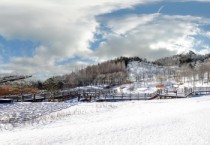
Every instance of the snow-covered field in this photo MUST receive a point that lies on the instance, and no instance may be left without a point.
(156, 122)
(19, 114)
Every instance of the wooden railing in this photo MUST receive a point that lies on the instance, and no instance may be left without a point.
(103, 95)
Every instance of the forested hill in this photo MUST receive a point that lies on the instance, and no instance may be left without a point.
(108, 72)
(189, 59)
(116, 71)
(126, 60)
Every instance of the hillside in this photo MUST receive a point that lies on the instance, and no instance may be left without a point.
(189, 59)
(108, 72)
(145, 71)
(125, 69)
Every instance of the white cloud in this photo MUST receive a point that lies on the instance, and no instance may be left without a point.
(160, 9)
(123, 25)
(204, 50)
(65, 28)
(154, 37)
(208, 34)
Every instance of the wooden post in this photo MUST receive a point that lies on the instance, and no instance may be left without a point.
(22, 98)
(34, 97)
(44, 96)
(101, 93)
(90, 97)
(78, 97)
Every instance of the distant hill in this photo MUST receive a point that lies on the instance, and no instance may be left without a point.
(189, 59)
(116, 71)
(108, 72)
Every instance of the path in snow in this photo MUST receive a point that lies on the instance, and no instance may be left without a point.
(156, 122)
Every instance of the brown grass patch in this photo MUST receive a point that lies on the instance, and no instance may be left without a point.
(160, 86)
(16, 90)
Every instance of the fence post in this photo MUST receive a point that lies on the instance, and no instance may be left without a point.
(45, 96)
(34, 97)
(22, 98)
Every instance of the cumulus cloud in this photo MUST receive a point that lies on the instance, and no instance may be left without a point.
(66, 28)
(208, 34)
(151, 36)
(63, 28)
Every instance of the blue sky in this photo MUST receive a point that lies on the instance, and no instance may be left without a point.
(169, 8)
(16, 48)
(46, 38)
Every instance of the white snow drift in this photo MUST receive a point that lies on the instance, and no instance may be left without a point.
(156, 122)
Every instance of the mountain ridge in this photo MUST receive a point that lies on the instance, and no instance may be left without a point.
(190, 59)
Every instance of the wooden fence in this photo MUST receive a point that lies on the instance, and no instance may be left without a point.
(105, 95)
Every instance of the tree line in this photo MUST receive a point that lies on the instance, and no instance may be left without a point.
(109, 72)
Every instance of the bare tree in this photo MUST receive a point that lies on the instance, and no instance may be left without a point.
(51, 86)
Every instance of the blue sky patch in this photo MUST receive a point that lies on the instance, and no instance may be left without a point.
(169, 8)
(73, 60)
(16, 48)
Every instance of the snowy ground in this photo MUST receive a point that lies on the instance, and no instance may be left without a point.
(18, 114)
(156, 122)
(132, 89)
(169, 88)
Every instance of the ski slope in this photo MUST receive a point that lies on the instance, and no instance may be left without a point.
(155, 122)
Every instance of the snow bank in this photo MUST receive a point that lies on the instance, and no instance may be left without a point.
(159, 122)
(100, 87)
(18, 114)
(131, 89)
